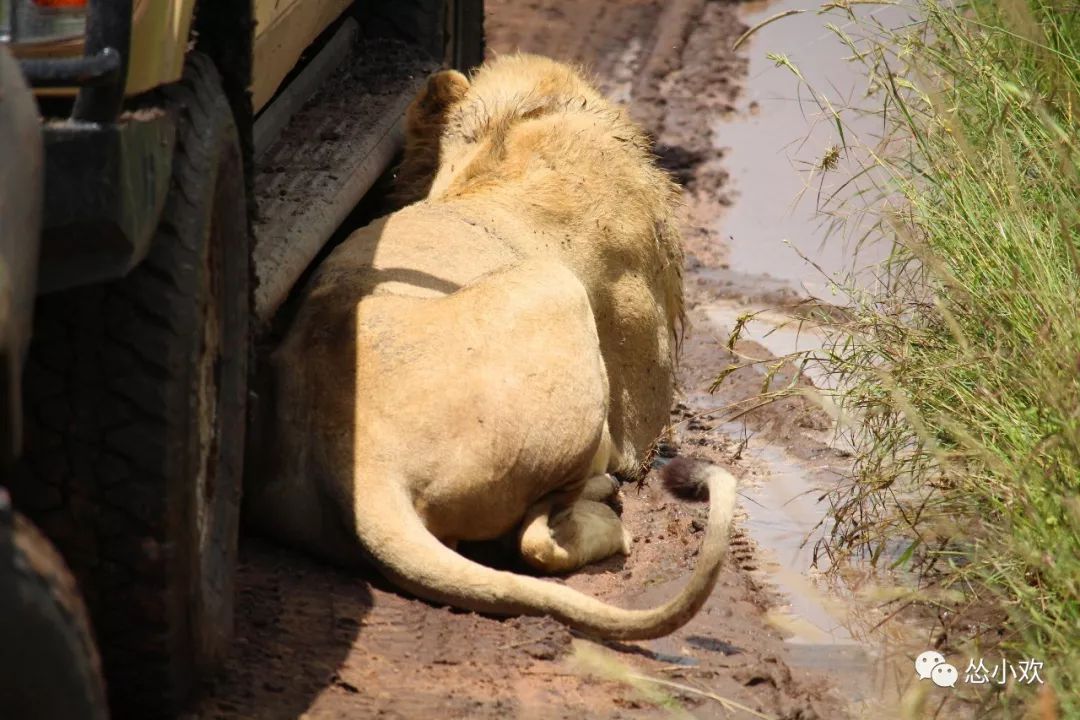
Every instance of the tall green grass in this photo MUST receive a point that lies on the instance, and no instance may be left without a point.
(961, 372)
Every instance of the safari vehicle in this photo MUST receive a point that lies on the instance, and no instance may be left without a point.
(190, 159)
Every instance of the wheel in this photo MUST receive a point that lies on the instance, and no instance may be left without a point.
(135, 399)
(49, 666)
(452, 30)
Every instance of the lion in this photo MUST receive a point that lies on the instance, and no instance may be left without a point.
(485, 362)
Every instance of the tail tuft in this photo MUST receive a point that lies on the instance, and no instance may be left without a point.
(686, 479)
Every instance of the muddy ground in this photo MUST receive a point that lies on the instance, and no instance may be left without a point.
(316, 642)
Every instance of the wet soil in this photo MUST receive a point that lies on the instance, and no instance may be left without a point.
(316, 642)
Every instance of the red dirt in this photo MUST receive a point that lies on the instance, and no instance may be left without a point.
(315, 642)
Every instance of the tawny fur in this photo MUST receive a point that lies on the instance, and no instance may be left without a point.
(472, 365)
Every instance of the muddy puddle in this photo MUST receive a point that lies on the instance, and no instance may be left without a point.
(832, 623)
(830, 626)
(786, 157)
(780, 244)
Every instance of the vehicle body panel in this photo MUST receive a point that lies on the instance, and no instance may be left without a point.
(160, 30)
(20, 218)
(161, 36)
(282, 31)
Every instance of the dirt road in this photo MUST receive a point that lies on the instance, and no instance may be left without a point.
(319, 643)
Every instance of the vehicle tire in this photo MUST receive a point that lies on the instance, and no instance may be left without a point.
(135, 397)
(49, 666)
(451, 30)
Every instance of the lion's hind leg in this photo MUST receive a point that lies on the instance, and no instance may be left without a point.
(601, 488)
(558, 539)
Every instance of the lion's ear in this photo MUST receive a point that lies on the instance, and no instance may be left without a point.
(429, 109)
(425, 121)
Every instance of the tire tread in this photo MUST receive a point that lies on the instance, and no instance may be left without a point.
(105, 381)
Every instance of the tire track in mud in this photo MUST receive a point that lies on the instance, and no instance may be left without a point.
(315, 642)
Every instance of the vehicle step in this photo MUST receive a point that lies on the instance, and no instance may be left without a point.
(329, 154)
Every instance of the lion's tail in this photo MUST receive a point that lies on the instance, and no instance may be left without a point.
(414, 559)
